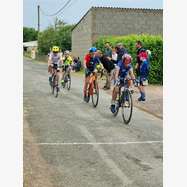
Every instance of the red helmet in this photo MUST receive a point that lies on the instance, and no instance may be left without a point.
(127, 59)
(143, 55)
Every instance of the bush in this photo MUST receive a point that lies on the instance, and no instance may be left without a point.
(50, 37)
(153, 43)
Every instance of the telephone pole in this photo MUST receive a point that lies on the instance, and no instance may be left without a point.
(38, 18)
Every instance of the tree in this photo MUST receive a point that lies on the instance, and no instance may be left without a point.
(29, 34)
(60, 37)
(58, 23)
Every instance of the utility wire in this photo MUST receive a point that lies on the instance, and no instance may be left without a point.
(65, 5)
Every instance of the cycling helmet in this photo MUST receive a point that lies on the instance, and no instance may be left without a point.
(127, 57)
(66, 52)
(92, 49)
(55, 49)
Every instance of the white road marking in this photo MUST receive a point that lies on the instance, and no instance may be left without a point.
(104, 156)
(101, 143)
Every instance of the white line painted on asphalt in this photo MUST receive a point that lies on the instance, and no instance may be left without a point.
(104, 156)
(101, 143)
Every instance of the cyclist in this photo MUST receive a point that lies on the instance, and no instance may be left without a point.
(67, 62)
(54, 61)
(90, 62)
(124, 70)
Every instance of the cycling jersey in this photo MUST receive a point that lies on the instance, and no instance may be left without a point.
(55, 58)
(90, 62)
(123, 70)
(68, 60)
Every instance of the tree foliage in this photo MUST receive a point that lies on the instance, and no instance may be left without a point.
(29, 34)
(61, 36)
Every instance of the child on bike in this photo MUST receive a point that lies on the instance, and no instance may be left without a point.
(54, 61)
(90, 65)
(67, 62)
(124, 71)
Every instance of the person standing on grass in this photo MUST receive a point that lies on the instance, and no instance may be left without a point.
(120, 50)
(108, 55)
(114, 56)
(142, 69)
(107, 64)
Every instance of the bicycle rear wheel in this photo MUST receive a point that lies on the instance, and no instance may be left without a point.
(95, 95)
(126, 106)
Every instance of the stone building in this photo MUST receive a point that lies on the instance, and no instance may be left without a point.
(105, 21)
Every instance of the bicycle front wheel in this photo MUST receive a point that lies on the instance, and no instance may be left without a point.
(95, 95)
(53, 85)
(68, 83)
(126, 106)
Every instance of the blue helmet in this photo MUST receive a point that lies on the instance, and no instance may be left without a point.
(92, 49)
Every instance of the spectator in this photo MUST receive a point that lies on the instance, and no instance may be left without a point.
(76, 64)
(142, 69)
(108, 55)
(108, 65)
(114, 56)
(120, 50)
(108, 50)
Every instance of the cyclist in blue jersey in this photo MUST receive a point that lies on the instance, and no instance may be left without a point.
(124, 71)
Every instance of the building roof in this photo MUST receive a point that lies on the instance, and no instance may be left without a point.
(117, 8)
(30, 44)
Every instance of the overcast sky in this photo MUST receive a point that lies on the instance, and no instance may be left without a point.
(75, 10)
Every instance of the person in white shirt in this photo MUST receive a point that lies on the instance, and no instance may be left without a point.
(114, 56)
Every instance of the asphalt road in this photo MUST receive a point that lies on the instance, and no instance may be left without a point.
(68, 143)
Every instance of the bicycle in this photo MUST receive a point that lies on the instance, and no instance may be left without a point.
(93, 90)
(67, 77)
(125, 102)
(54, 81)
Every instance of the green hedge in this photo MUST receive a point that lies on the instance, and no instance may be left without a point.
(153, 43)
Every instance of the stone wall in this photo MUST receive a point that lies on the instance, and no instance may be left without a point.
(118, 21)
(81, 36)
(101, 21)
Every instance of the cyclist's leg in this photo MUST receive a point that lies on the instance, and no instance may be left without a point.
(114, 93)
(62, 75)
(114, 96)
(50, 71)
(86, 83)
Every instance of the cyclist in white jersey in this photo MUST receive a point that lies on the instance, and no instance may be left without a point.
(54, 62)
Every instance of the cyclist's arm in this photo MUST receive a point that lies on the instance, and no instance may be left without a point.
(49, 61)
(85, 62)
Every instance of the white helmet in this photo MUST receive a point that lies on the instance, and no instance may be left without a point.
(126, 56)
(66, 52)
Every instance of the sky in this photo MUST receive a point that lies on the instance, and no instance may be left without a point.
(75, 10)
